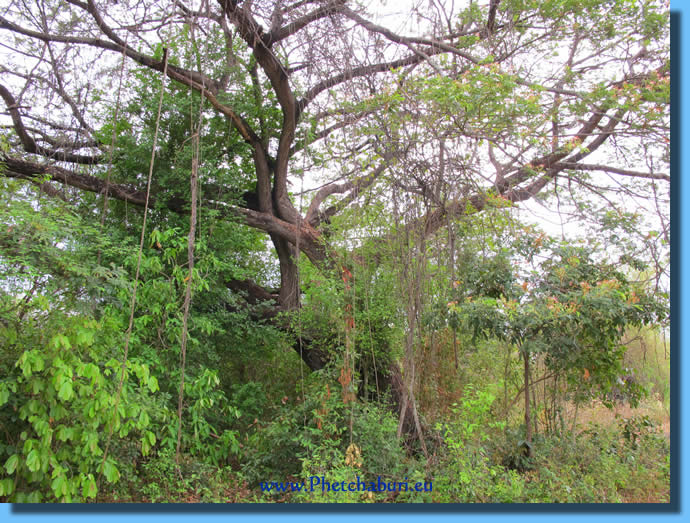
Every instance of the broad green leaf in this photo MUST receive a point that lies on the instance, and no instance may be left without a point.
(5, 394)
(152, 384)
(89, 489)
(65, 433)
(60, 340)
(85, 337)
(33, 461)
(11, 463)
(110, 471)
(66, 392)
(6, 487)
(59, 486)
(144, 420)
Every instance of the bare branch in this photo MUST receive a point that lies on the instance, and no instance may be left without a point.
(611, 169)
(30, 145)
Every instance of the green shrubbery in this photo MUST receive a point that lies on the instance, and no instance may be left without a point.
(479, 460)
(61, 408)
(311, 438)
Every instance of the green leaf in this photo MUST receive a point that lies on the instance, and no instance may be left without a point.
(11, 463)
(37, 386)
(89, 489)
(6, 487)
(65, 433)
(85, 337)
(152, 384)
(66, 392)
(33, 461)
(5, 394)
(92, 444)
(24, 363)
(60, 340)
(59, 486)
(144, 420)
(110, 471)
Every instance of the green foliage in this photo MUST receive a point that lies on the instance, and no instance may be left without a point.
(597, 466)
(250, 400)
(376, 318)
(649, 356)
(206, 421)
(162, 480)
(58, 407)
(311, 438)
(572, 309)
(60, 376)
(484, 463)
(62, 324)
(466, 474)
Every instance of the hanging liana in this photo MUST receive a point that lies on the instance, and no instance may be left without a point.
(132, 304)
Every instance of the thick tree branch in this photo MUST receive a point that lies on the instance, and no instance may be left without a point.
(37, 173)
(540, 171)
(309, 238)
(259, 41)
(254, 294)
(328, 8)
(315, 216)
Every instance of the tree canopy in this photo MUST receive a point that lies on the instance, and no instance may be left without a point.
(509, 99)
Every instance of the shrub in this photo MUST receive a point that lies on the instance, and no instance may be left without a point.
(312, 438)
(59, 405)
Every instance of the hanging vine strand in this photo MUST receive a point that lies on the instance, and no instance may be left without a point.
(132, 305)
(194, 183)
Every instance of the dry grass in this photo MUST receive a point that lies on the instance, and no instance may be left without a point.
(598, 413)
(652, 486)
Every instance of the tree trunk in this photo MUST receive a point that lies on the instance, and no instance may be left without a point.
(528, 420)
(289, 295)
(393, 381)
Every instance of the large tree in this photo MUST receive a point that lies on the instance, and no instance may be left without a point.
(458, 105)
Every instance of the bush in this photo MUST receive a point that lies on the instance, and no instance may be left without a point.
(322, 436)
(59, 406)
(162, 480)
(466, 473)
